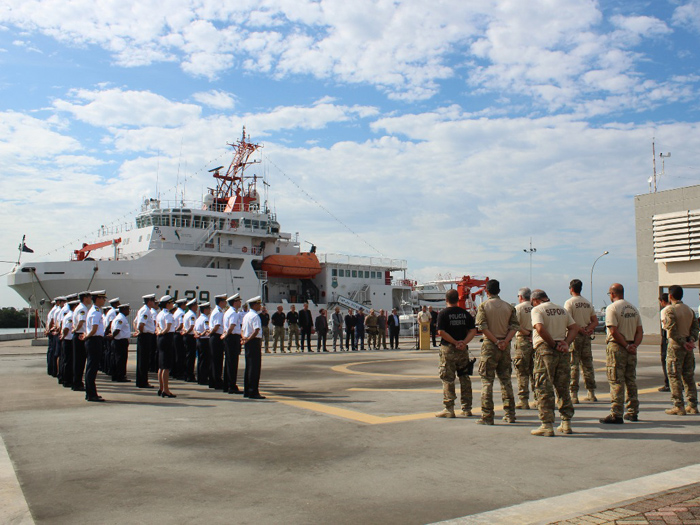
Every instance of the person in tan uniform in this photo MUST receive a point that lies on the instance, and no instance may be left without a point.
(554, 330)
(624, 334)
(498, 322)
(682, 328)
(372, 323)
(524, 354)
(583, 313)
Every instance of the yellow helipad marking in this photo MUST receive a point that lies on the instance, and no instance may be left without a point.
(369, 419)
(345, 369)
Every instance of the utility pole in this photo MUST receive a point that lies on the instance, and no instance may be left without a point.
(530, 252)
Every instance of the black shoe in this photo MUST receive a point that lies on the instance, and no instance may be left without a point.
(78, 389)
(235, 390)
(612, 419)
(123, 380)
(96, 399)
(160, 393)
(631, 417)
(168, 394)
(256, 396)
(664, 388)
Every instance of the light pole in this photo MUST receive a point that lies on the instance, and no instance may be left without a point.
(530, 251)
(603, 255)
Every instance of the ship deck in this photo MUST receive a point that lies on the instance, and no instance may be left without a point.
(343, 438)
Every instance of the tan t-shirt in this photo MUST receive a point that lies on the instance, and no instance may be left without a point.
(497, 316)
(522, 312)
(580, 309)
(625, 317)
(678, 320)
(423, 317)
(555, 319)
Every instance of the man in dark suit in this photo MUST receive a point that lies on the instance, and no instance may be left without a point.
(350, 322)
(306, 323)
(394, 329)
(321, 325)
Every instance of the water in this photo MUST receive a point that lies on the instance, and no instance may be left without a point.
(19, 331)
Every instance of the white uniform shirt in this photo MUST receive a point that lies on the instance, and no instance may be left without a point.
(188, 320)
(164, 318)
(120, 323)
(251, 321)
(202, 325)
(231, 318)
(662, 314)
(67, 322)
(177, 319)
(109, 317)
(94, 318)
(145, 316)
(217, 318)
(51, 316)
(79, 314)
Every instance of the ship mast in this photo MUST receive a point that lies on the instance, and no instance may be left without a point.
(229, 187)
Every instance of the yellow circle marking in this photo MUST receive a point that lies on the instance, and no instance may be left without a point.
(345, 369)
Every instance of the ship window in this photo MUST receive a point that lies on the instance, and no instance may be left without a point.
(277, 249)
(366, 274)
(205, 222)
(341, 273)
(165, 220)
(176, 222)
(334, 272)
(230, 242)
(246, 223)
(373, 275)
(185, 222)
(196, 221)
(256, 224)
(354, 273)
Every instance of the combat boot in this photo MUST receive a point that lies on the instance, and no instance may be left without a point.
(546, 430)
(565, 427)
(574, 398)
(508, 418)
(631, 417)
(467, 413)
(591, 396)
(483, 421)
(675, 411)
(691, 409)
(612, 419)
(446, 412)
(523, 405)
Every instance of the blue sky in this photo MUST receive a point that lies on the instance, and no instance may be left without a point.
(446, 133)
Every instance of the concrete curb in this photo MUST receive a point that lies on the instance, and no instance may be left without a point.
(13, 506)
(583, 502)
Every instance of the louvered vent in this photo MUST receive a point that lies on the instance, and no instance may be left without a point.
(677, 236)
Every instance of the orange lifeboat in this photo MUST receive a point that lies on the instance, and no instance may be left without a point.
(300, 266)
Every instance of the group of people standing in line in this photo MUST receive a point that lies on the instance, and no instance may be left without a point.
(353, 326)
(84, 339)
(552, 346)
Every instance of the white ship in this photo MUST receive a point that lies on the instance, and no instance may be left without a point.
(231, 242)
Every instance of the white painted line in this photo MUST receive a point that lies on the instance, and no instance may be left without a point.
(13, 507)
(583, 502)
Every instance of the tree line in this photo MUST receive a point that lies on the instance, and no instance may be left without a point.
(12, 318)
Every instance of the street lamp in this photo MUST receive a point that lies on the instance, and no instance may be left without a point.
(603, 255)
(530, 251)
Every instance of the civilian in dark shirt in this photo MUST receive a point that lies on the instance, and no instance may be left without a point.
(278, 319)
(456, 328)
(350, 323)
(293, 324)
(433, 324)
(306, 323)
(360, 329)
(265, 322)
(321, 330)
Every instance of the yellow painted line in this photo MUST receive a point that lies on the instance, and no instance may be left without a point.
(346, 369)
(429, 390)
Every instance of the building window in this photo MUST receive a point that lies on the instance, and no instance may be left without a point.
(354, 273)
(373, 275)
(334, 273)
(366, 274)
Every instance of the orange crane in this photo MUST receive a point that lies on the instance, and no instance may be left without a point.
(82, 253)
(466, 296)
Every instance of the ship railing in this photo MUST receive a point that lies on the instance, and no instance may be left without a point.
(359, 260)
(207, 247)
(404, 282)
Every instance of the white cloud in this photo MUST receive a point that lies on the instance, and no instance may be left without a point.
(215, 99)
(688, 15)
(116, 107)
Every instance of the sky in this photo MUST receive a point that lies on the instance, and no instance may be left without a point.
(446, 133)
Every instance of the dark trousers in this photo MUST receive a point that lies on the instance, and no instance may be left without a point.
(153, 355)
(51, 368)
(106, 359)
(305, 336)
(321, 340)
(144, 347)
(393, 337)
(216, 356)
(233, 352)
(203, 365)
(94, 348)
(350, 340)
(178, 369)
(120, 352)
(253, 363)
(190, 356)
(433, 333)
(664, 351)
(360, 339)
(66, 362)
(78, 361)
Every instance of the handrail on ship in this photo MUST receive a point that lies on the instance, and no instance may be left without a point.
(361, 260)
